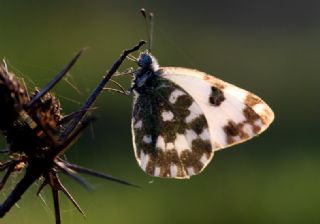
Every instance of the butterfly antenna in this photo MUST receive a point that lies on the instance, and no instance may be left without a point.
(151, 19)
(148, 18)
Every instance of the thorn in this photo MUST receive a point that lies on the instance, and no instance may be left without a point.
(44, 183)
(55, 80)
(98, 174)
(71, 173)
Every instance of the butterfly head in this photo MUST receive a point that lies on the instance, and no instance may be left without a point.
(148, 62)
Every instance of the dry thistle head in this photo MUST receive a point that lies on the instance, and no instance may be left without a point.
(38, 134)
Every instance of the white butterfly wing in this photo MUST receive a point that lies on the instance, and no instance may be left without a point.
(170, 132)
(234, 115)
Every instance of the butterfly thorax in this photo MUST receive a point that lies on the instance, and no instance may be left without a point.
(147, 71)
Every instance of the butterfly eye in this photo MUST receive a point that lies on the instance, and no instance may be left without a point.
(144, 60)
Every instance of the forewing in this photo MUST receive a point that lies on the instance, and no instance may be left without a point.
(170, 132)
(234, 115)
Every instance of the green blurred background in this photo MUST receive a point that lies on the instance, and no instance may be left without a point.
(269, 47)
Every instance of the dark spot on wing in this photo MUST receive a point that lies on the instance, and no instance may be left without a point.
(189, 159)
(163, 160)
(252, 100)
(232, 129)
(198, 124)
(216, 97)
(250, 115)
(200, 147)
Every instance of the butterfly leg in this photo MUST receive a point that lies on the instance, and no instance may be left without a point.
(120, 90)
(117, 91)
(128, 71)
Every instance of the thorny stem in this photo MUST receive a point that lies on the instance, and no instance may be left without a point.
(62, 188)
(60, 149)
(92, 98)
(10, 166)
(41, 168)
(6, 176)
(31, 175)
(55, 195)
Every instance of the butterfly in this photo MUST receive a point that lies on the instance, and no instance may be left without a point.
(182, 116)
